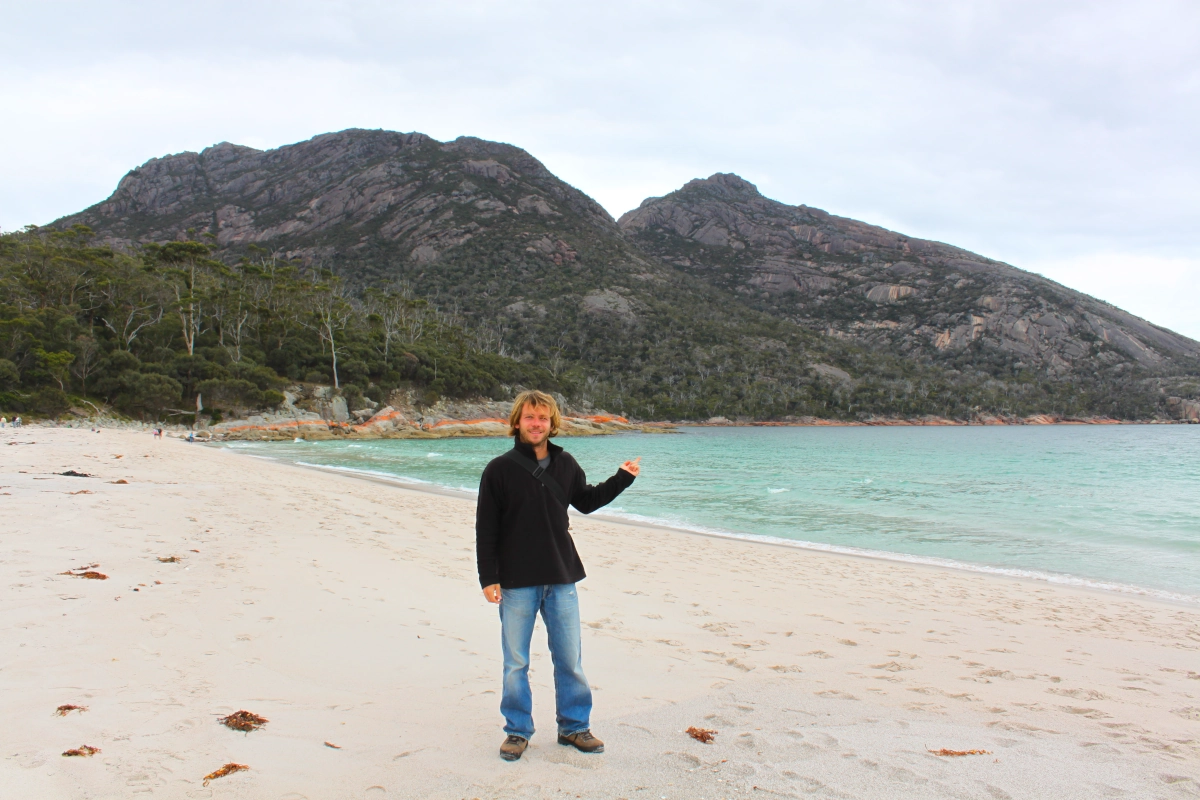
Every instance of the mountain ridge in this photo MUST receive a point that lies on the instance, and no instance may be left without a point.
(775, 255)
(643, 311)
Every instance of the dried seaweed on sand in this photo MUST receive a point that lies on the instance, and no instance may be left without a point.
(63, 710)
(169, 559)
(701, 734)
(228, 769)
(243, 721)
(83, 750)
(946, 752)
(119, 481)
(73, 474)
(334, 746)
(86, 572)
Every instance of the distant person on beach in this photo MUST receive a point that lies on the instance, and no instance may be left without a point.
(528, 564)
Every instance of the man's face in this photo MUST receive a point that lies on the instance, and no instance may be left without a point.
(534, 425)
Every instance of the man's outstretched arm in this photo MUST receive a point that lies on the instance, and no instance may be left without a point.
(589, 498)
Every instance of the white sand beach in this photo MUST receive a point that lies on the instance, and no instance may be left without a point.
(347, 612)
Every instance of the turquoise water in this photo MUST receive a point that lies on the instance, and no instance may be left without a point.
(1114, 507)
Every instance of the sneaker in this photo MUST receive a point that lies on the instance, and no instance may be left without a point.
(513, 747)
(583, 741)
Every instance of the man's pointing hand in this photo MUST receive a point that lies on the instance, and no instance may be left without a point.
(633, 467)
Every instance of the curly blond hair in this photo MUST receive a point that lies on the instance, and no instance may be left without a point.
(536, 399)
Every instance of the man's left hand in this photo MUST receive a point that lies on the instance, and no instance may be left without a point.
(633, 467)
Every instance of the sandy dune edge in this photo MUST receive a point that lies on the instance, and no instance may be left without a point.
(348, 612)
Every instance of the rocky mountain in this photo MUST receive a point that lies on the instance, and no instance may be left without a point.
(925, 299)
(710, 300)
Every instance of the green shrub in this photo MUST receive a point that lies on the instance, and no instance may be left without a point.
(12, 401)
(234, 393)
(262, 377)
(354, 397)
(353, 370)
(49, 401)
(10, 376)
(144, 395)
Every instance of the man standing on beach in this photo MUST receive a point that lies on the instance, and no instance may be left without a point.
(528, 564)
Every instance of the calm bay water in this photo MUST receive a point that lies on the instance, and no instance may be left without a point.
(1116, 507)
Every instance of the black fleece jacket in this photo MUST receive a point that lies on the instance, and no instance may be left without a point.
(521, 531)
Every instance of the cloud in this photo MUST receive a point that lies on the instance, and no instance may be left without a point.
(1162, 290)
(1035, 133)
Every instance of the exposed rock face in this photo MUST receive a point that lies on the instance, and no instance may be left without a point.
(608, 302)
(356, 185)
(1181, 408)
(922, 297)
(294, 420)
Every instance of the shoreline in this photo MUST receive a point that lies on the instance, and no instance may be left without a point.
(1038, 577)
(393, 425)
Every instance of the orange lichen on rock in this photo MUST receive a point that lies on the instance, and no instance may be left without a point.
(466, 422)
(228, 769)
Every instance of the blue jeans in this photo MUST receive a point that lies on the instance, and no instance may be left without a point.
(559, 606)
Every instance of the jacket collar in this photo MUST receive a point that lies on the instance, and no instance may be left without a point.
(527, 449)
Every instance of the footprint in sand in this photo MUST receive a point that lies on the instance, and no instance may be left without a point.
(1078, 694)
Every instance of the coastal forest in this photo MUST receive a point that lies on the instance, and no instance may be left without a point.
(376, 261)
(148, 332)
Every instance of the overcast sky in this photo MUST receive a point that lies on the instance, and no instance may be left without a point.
(1059, 137)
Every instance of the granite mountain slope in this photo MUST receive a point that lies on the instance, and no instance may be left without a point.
(711, 300)
(926, 299)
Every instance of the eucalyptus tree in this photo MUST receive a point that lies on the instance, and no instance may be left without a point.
(191, 274)
(330, 312)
